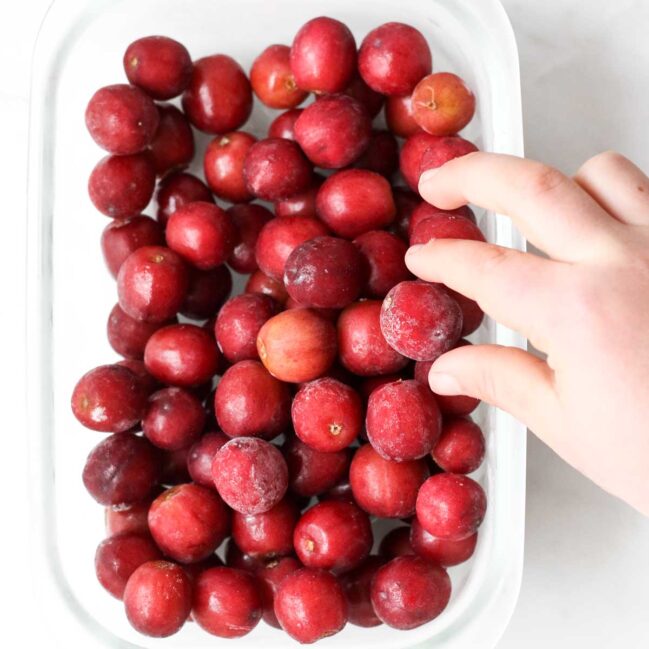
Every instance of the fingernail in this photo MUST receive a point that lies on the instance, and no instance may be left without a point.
(444, 383)
(414, 250)
(427, 176)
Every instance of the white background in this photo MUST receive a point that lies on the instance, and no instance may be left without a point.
(585, 75)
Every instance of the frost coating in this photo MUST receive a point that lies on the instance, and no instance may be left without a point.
(250, 475)
(403, 421)
(325, 272)
(420, 320)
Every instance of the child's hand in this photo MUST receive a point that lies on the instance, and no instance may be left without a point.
(587, 307)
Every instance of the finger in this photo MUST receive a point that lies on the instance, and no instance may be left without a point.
(513, 287)
(551, 210)
(506, 377)
(620, 187)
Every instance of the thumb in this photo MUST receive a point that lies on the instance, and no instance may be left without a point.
(509, 378)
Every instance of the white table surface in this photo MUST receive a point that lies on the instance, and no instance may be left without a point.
(585, 76)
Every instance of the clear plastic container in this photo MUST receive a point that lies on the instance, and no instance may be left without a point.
(70, 292)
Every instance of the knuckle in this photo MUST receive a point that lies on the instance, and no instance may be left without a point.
(543, 179)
